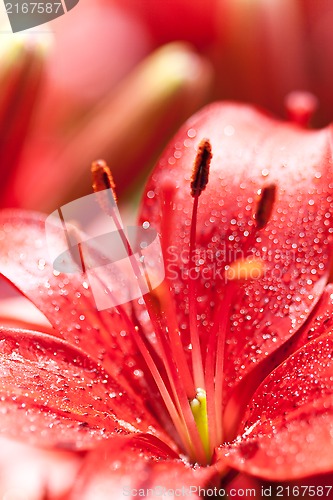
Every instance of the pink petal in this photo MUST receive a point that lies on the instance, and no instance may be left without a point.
(319, 322)
(53, 394)
(250, 151)
(288, 429)
(127, 465)
(33, 474)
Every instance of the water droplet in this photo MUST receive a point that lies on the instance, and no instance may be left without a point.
(229, 130)
(191, 133)
(41, 264)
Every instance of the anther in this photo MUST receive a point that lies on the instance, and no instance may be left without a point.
(102, 177)
(265, 205)
(104, 186)
(201, 166)
(198, 184)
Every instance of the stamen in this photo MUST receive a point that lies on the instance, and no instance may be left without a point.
(201, 166)
(265, 205)
(248, 268)
(214, 365)
(166, 306)
(74, 243)
(102, 179)
(176, 401)
(198, 184)
(102, 184)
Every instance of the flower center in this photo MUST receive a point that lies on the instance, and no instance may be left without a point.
(192, 391)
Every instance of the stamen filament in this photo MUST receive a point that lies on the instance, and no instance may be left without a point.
(222, 324)
(214, 364)
(177, 418)
(198, 184)
(169, 315)
(210, 393)
(197, 363)
(167, 301)
(183, 418)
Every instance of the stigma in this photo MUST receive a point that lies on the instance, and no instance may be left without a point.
(199, 411)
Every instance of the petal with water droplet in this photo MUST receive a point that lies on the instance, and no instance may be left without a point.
(53, 394)
(319, 321)
(288, 429)
(250, 151)
(65, 299)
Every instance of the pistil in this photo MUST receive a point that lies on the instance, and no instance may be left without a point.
(199, 410)
(198, 184)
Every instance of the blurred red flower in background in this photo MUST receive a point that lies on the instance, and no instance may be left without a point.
(74, 92)
(261, 50)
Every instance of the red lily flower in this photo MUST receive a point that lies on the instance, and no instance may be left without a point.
(228, 363)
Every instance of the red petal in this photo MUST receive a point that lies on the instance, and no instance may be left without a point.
(250, 151)
(319, 321)
(53, 394)
(288, 429)
(65, 300)
(127, 466)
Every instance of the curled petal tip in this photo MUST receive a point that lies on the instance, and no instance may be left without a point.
(301, 106)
